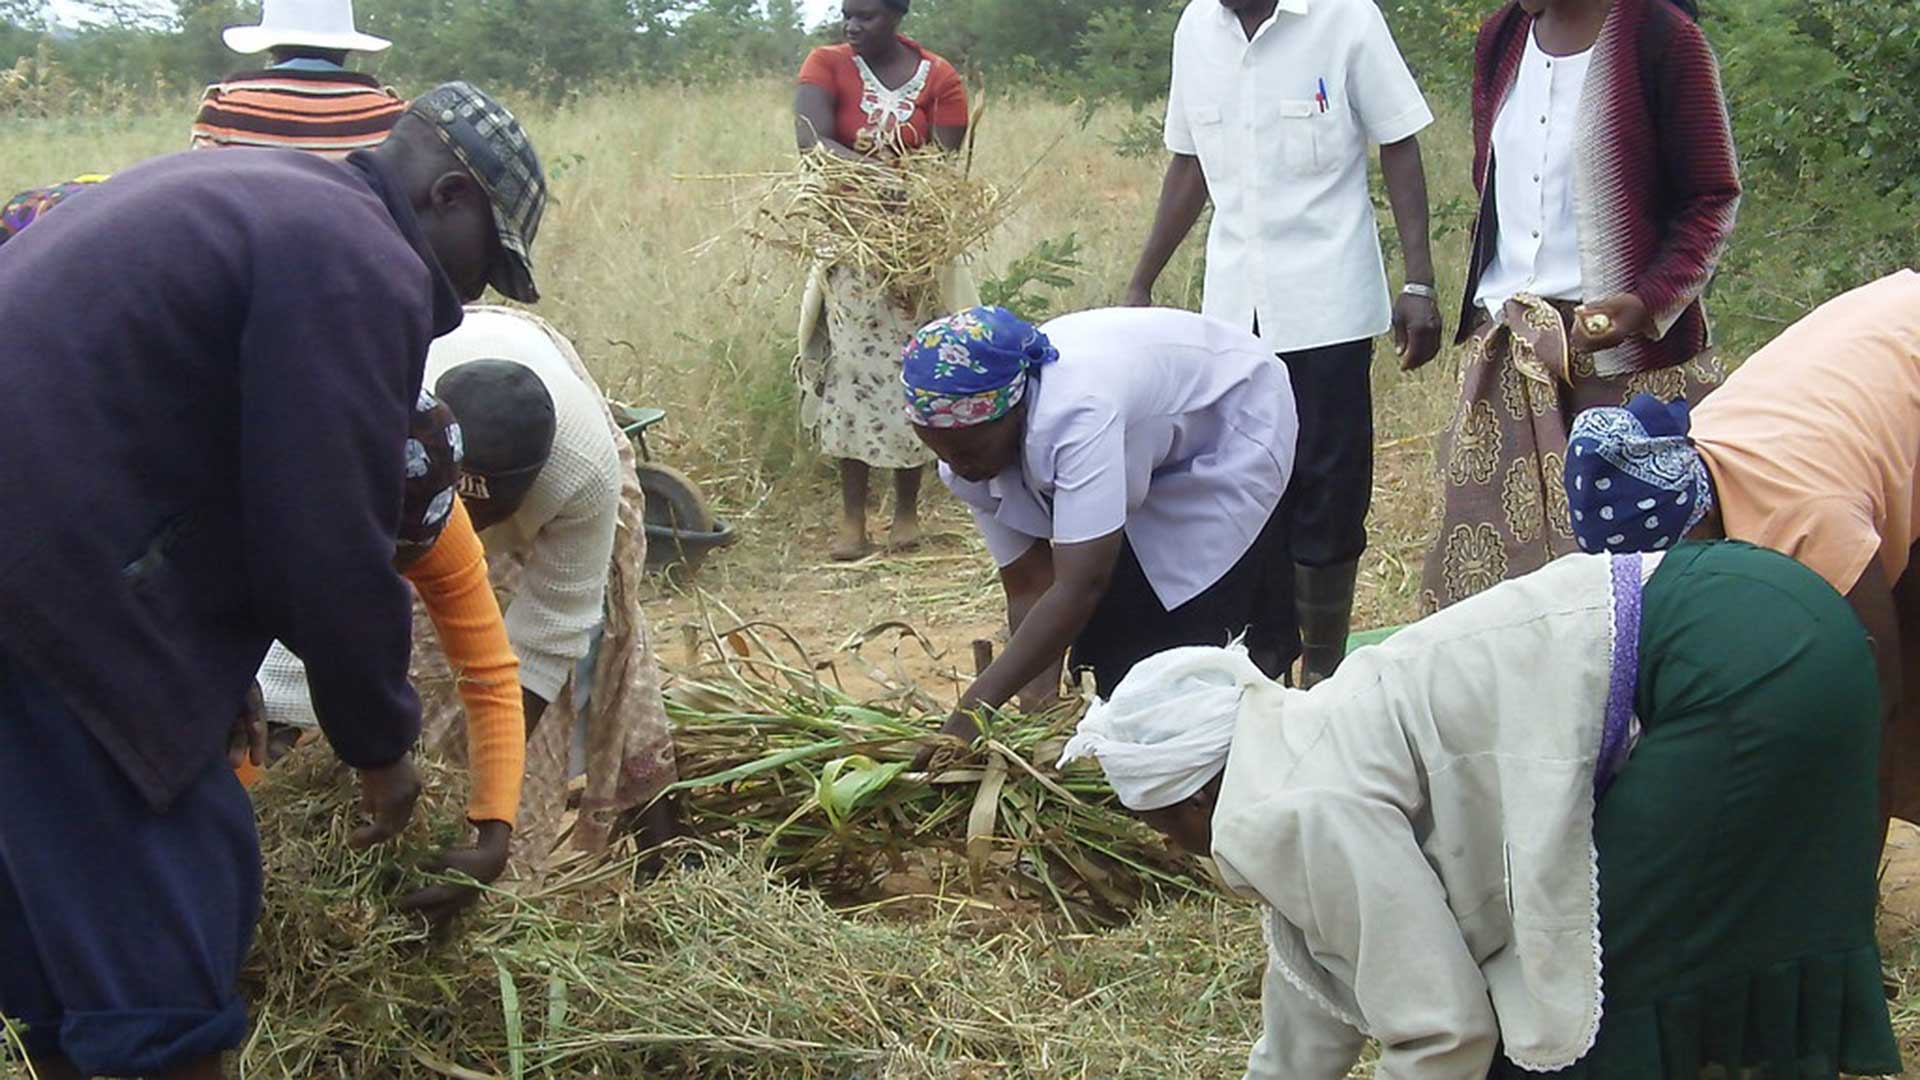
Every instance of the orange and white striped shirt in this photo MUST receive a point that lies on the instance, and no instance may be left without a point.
(332, 113)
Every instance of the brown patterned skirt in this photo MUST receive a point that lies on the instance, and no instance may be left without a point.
(850, 373)
(1502, 463)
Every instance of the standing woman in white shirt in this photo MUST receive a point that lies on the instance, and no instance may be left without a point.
(1126, 468)
(1608, 183)
(1273, 107)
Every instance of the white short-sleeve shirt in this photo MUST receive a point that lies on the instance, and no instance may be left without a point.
(1282, 125)
(1173, 426)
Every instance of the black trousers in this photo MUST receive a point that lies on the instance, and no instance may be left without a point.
(1254, 598)
(1332, 485)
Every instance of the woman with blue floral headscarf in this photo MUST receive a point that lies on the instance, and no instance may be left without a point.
(1124, 467)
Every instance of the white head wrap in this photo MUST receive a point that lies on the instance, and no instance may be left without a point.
(1168, 727)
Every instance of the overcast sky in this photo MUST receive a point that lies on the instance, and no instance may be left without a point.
(816, 10)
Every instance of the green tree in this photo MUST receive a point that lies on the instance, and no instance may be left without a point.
(1125, 54)
(22, 26)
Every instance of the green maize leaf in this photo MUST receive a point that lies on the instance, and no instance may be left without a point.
(755, 768)
(516, 1030)
(847, 783)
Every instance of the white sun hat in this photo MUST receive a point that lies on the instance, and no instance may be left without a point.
(313, 24)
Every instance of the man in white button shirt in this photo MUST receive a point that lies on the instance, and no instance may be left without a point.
(1273, 105)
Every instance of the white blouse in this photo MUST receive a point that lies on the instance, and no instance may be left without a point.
(1538, 247)
(1173, 426)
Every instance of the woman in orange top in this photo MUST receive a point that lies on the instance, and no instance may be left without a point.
(441, 555)
(876, 96)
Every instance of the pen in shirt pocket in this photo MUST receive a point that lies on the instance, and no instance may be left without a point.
(1321, 97)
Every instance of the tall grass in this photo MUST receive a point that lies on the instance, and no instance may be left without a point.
(710, 339)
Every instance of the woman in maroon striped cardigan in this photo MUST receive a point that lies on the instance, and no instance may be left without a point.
(1608, 184)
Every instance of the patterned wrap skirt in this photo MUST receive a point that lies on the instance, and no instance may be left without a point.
(849, 369)
(1503, 462)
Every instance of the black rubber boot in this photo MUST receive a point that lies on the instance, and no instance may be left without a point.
(1324, 597)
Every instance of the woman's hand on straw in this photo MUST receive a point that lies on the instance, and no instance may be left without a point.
(484, 862)
(955, 737)
(387, 796)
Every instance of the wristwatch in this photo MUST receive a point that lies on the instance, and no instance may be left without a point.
(1425, 292)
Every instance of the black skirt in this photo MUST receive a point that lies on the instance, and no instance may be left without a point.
(1254, 598)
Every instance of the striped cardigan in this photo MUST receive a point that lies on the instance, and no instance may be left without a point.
(1656, 182)
(332, 113)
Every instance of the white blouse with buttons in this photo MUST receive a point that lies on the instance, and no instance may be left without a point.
(1538, 251)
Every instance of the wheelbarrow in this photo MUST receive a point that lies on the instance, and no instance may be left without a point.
(681, 528)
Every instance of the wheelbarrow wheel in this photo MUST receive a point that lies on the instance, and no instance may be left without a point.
(674, 502)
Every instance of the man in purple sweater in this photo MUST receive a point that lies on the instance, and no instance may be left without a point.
(209, 361)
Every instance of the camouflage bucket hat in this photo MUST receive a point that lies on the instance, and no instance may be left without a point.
(491, 144)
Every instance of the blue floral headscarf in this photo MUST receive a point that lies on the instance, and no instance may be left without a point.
(1634, 481)
(971, 368)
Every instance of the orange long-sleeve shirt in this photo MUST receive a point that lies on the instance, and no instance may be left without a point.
(453, 585)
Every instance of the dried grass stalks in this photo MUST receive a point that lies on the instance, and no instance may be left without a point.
(714, 971)
(902, 221)
(817, 784)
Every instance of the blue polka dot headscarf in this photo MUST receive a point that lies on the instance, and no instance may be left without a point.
(1634, 480)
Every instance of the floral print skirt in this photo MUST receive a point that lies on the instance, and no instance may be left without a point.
(1502, 465)
(850, 389)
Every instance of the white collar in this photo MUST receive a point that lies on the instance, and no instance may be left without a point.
(1291, 7)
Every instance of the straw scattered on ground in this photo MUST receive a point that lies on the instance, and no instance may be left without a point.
(714, 969)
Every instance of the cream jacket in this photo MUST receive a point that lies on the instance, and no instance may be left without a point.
(1421, 827)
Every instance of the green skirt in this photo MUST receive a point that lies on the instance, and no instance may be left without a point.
(1739, 846)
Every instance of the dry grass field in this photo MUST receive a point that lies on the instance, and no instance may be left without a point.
(709, 339)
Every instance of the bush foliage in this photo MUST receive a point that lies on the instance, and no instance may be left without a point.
(1824, 94)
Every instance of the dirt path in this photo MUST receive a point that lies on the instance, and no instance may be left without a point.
(877, 628)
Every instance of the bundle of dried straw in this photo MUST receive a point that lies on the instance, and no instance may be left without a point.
(902, 218)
